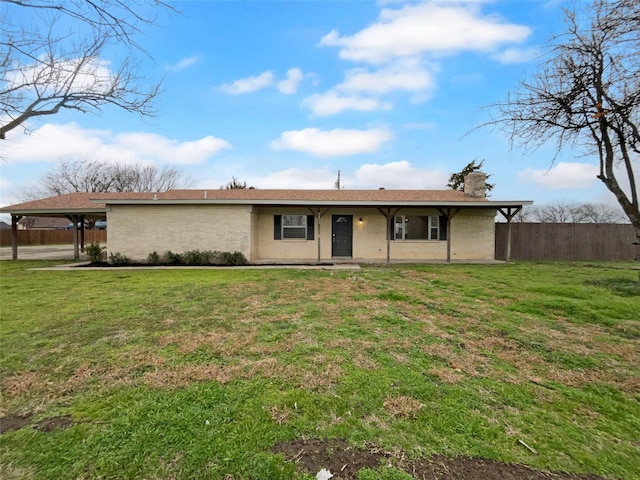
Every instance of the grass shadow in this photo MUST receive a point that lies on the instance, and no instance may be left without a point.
(624, 287)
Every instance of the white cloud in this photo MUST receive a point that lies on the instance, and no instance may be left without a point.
(405, 74)
(332, 143)
(430, 27)
(86, 74)
(168, 150)
(295, 178)
(400, 175)
(289, 86)
(248, 84)
(563, 176)
(184, 63)
(53, 142)
(516, 55)
(393, 175)
(331, 103)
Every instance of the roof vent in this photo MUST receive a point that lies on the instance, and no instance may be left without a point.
(382, 188)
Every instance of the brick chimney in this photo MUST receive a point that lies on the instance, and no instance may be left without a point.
(475, 185)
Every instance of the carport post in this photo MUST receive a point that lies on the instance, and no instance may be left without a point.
(14, 236)
(76, 246)
(82, 233)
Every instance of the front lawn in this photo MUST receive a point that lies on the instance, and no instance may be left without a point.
(180, 374)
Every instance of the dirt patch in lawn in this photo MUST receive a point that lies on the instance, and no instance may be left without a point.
(345, 461)
(54, 423)
(16, 422)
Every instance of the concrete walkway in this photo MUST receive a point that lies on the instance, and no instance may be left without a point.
(41, 252)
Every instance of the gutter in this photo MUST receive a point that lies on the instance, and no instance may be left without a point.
(323, 203)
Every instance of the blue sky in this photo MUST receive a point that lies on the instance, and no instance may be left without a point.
(283, 94)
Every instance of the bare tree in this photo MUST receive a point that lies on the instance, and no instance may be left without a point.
(86, 176)
(144, 178)
(599, 213)
(52, 57)
(586, 96)
(524, 215)
(557, 213)
(571, 212)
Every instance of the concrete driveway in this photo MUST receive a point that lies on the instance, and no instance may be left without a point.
(41, 252)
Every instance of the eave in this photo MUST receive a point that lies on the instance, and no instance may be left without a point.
(324, 203)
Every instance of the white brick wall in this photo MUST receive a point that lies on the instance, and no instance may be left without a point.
(137, 230)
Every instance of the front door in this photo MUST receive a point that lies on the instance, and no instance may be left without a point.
(342, 233)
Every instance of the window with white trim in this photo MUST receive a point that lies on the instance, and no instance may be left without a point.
(417, 227)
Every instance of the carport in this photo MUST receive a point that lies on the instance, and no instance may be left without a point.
(76, 207)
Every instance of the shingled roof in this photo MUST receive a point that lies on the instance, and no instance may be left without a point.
(71, 203)
(86, 203)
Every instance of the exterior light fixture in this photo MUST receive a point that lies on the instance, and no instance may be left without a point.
(360, 219)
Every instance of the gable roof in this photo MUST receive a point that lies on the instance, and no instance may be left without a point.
(96, 203)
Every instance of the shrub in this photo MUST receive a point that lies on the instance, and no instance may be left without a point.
(118, 259)
(235, 258)
(153, 258)
(196, 257)
(95, 252)
(171, 258)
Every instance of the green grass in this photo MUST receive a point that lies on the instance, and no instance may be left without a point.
(198, 373)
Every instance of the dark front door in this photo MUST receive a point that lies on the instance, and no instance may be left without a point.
(342, 233)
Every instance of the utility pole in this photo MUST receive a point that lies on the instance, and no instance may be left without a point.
(337, 184)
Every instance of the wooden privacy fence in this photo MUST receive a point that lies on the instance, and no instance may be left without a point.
(566, 241)
(50, 237)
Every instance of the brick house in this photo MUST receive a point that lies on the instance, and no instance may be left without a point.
(297, 226)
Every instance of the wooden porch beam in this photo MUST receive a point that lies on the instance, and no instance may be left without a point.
(388, 215)
(318, 213)
(509, 214)
(449, 213)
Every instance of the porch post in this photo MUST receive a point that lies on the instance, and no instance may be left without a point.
(14, 236)
(449, 213)
(509, 214)
(319, 218)
(318, 214)
(388, 215)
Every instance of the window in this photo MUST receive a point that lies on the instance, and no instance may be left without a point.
(293, 227)
(419, 227)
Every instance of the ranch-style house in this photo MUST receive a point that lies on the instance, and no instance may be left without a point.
(291, 226)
